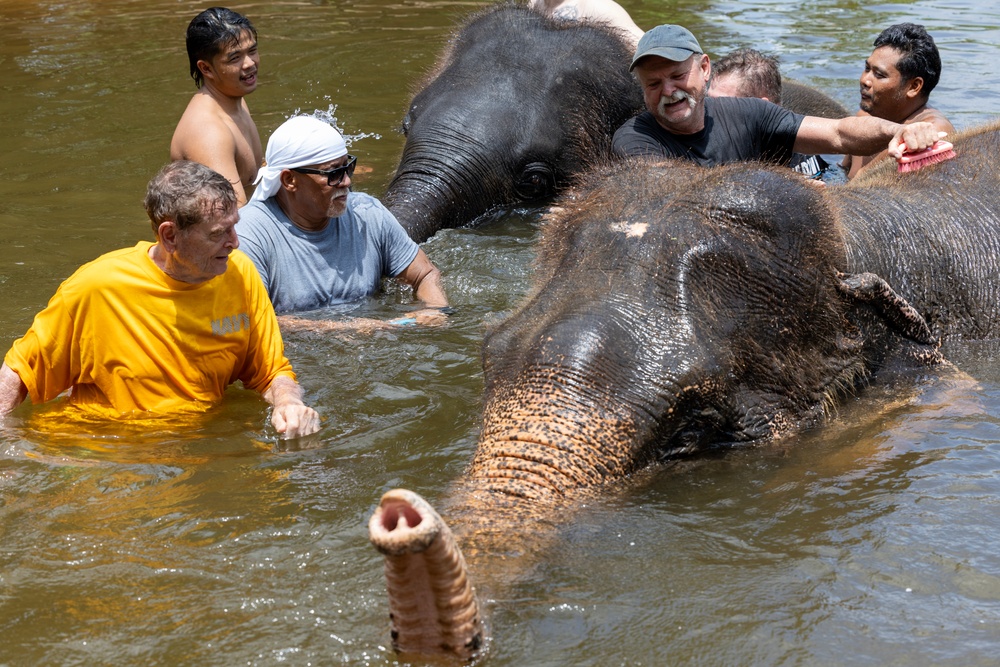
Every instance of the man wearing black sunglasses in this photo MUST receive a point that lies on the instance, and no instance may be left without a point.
(316, 243)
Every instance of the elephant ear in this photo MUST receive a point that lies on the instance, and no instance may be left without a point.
(874, 291)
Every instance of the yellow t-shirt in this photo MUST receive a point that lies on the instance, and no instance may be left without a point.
(126, 336)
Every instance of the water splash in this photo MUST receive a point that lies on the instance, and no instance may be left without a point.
(329, 115)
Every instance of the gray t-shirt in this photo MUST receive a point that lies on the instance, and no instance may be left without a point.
(344, 262)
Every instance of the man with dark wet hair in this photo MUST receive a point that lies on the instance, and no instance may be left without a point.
(216, 128)
(897, 82)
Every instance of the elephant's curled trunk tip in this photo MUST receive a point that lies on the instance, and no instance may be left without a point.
(432, 605)
(404, 523)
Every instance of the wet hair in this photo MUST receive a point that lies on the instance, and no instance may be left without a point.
(212, 31)
(918, 53)
(184, 192)
(758, 74)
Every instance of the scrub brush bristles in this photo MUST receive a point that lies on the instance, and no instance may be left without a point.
(938, 152)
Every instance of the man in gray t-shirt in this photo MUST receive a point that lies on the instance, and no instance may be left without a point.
(305, 269)
(316, 243)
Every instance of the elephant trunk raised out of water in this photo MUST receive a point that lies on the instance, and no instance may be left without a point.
(678, 309)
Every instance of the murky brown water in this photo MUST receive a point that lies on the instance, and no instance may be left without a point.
(876, 541)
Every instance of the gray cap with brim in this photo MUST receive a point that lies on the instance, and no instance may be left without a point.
(672, 42)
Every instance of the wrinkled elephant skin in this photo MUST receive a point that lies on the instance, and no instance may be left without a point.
(679, 308)
(432, 605)
(808, 101)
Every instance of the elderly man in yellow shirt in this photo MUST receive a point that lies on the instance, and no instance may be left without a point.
(162, 327)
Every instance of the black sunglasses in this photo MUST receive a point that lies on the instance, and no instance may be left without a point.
(334, 176)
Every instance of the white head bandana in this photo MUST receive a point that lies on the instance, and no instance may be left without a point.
(299, 141)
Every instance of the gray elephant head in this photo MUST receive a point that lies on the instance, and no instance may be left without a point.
(518, 106)
(678, 309)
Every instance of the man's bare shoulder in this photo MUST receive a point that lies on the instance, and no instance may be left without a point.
(225, 141)
(203, 122)
(931, 115)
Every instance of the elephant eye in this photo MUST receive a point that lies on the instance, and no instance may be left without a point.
(535, 182)
(407, 122)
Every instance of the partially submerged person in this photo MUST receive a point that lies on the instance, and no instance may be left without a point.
(216, 128)
(897, 82)
(682, 121)
(162, 327)
(315, 242)
(747, 72)
(605, 11)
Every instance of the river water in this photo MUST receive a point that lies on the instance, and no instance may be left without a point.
(206, 541)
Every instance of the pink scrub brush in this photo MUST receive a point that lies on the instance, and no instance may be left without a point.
(939, 151)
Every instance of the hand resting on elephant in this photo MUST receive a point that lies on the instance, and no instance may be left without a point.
(423, 317)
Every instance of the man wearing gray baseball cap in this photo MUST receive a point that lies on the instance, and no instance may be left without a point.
(672, 42)
(681, 121)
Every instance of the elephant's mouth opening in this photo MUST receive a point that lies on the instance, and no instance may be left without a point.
(395, 510)
(694, 441)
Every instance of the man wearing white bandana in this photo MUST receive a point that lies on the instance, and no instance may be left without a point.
(316, 243)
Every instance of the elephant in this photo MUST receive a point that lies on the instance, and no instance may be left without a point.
(518, 104)
(808, 101)
(517, 107)
(678, 310)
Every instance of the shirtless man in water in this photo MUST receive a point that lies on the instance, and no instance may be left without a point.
(216, 128)
(607, 11)
(897, 82)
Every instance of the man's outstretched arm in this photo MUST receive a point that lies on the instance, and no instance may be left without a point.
(861, 135)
